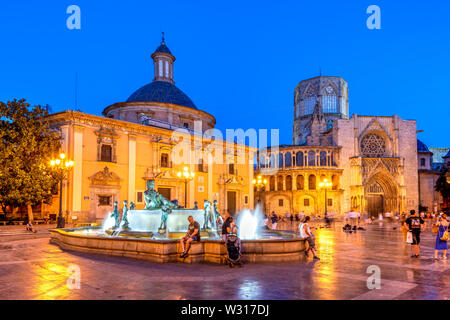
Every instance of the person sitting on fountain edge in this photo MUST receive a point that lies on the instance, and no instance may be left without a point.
(226, 225)
(193, 234)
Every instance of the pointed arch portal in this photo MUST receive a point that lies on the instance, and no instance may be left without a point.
(381, 194)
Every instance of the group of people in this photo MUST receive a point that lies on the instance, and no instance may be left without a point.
(193, 233)
(415, 224)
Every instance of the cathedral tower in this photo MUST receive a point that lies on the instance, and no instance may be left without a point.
(330, 94)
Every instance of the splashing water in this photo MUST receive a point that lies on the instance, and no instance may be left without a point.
(249, 223)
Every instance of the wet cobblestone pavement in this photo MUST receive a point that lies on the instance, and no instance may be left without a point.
(31, 268)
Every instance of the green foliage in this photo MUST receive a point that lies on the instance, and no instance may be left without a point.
(442, 185)
(27, 145)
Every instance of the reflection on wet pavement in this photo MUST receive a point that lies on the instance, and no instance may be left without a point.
(35, 269)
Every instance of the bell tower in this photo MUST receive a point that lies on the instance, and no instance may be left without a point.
(163, 63)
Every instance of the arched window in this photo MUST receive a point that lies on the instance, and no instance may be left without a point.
(311, 158)
(312, 182)
(308, 103)
(272, 163)
(288, 159)
(280, 183)
(333, 160)
(335, 182)
(262, 161)
(329, 100)
(299, 158)
(272, 183)
(323, 158)
(329, 124)
(280, 160)
(372, 145)
(300, 182)
(288, 182)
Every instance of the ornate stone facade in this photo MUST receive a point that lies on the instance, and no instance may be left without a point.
(370, 160)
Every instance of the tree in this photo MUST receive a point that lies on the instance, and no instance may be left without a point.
(442, 186)
(27, 144)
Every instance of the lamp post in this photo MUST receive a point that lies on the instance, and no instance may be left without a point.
(325, 185)
(259, 182)
(187, 176)
(62, 166)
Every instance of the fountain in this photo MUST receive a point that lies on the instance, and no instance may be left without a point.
(153, 233)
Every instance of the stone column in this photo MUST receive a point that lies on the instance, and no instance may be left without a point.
(77, 169)
(131, 168)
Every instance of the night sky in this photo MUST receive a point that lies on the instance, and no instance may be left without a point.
(238, 60)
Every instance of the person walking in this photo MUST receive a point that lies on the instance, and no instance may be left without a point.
(305, 233)
(441, 237)
(415, 225)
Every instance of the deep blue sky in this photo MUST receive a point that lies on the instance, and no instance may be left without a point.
(238, 60)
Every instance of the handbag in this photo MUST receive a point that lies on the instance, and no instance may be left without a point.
(435, 228)
(409, 237)
(444, 236)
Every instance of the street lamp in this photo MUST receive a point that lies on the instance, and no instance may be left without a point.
(325, 185)
(62, 166)
(187, 176)
(259, 182)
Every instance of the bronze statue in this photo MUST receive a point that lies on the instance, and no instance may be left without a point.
(132, 206)
(154, 200)
(115, 214)
(195, 205)
(216, 212)
(207, 216)
(125, 216)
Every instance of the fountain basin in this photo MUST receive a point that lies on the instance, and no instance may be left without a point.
(278, 246)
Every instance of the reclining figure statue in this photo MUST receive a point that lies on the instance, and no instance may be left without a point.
(154, 200)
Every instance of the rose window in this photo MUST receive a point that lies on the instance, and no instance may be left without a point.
(372, 145)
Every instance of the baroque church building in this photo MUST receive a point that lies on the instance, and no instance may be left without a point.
(369, 162)
(135, 141)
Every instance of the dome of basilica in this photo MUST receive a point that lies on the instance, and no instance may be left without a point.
(162, 91)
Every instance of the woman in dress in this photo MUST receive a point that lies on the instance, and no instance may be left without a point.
(441, 244)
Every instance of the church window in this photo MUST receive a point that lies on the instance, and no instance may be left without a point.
(280, 202)
(335, 182)
(167, 69)
(330, 202)
(312, 182)
(372, 145)
(280, 160)
(299, 158)
(106, 153)
(289, 183)
(329, 100)
(164, 160)
(160, 68)
(422, 162)
(300, 182)
(323, 158)
(231, 168)
(280, 183)
(288, 159)
(272, 183)
(311, 158)
(104, 200)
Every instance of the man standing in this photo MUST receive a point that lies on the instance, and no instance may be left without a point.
(193, 234)
(415, 224)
